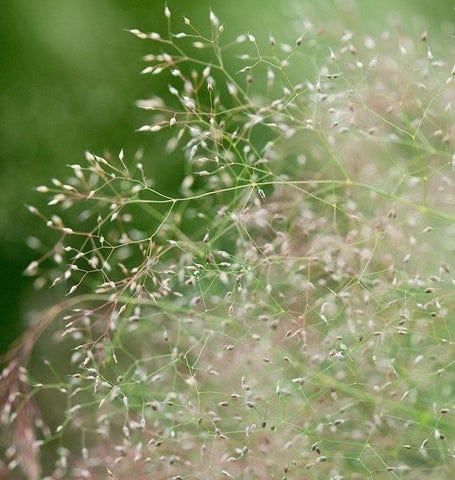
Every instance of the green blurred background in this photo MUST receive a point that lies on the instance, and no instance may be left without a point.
(70, 77)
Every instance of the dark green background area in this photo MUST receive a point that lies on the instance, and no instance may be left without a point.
(69, 77)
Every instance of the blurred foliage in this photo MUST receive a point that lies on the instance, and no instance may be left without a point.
(69, 80)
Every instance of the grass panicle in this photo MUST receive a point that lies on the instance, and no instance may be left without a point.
(287, 311)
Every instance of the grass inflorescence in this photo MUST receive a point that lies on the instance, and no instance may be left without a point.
(288, 312)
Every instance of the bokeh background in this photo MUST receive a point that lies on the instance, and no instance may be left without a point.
(69, 78)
